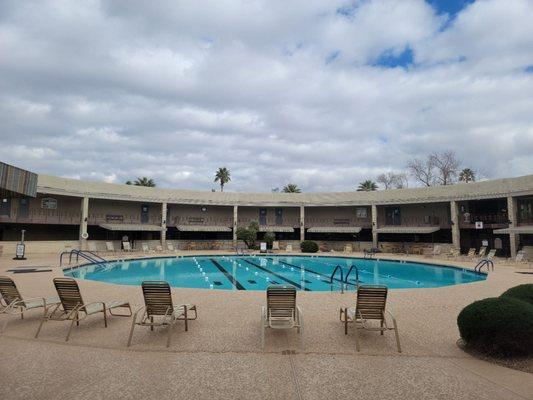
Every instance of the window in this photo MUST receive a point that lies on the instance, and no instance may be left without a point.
(361, 212)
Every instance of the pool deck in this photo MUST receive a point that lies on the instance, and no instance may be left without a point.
(220, 357)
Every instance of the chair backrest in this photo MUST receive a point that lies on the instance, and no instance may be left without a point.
(9, 290)
(371, 301)
(145, 247)
(520, 256)
(157, 297)
(471, 252)
(109, 246)
(126, 246)
(275, 245)
(68, 292)
(482, 251)
(289, 247)
(92, 246)
(437, 250)
(170, 246)
(491, 254)
(347, 248)
(281, 301)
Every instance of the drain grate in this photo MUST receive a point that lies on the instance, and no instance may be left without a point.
(288, 352)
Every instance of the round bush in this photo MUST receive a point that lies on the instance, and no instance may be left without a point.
(500, 326)
(521, 292)
(308, 246)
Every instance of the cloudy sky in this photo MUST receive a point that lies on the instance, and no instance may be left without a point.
(320, 93)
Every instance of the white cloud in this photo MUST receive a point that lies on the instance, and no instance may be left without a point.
(115, 90)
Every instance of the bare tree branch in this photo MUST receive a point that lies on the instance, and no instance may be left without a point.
(446, 164)
(422, 170)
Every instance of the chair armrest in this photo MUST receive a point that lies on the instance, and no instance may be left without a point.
(84, 306)
(390, 315)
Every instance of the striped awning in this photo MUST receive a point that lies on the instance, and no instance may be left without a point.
(16, 181)
(334, 229)
(264, 228)
(408, 229)
(133, 227)
(203, 228)
(524, 230)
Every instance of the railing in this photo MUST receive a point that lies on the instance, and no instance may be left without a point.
(332, 278)
(483, 263)
(356, 285)
(87, 255)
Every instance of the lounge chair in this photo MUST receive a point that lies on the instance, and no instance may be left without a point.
(434, 252)
(490, 255)
(471, 252)
(482, 251)
(145, 248)
(275, 245)
(11, 301)
(281, 311)
(158, 303)
(110, 247)
(126, 246)
(263, 247)
(370, 306)
(159, 248)
(170, 247)
(73, 308)
(92, 247)
(288, 249)
(348, 248)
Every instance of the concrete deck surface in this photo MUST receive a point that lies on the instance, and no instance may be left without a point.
(220, 357)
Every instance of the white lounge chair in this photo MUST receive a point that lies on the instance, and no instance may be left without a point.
(110, 247)
(288, 249)
(127, 246)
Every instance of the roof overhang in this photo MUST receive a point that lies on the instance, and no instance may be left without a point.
(408, 229)
(524, 230)
(203, 228)
(264, 228)
(334, 229)
(133, 227)
(17, 182)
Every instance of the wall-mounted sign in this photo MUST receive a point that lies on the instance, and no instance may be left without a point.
(479, 224)
(361, 212)
(114, 218)
(48, 203)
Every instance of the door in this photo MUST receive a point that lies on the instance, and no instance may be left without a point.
(279, 216)
(24, 207)
(5, 207)
(144, 214)
(262, 216)
(393, 216)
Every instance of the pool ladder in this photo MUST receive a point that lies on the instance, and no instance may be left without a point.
(482, 263)
(344, 284)
(93, 258)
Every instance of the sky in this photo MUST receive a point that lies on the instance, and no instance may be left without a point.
(320, 93)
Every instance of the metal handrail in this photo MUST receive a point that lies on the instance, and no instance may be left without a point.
(356, 276)
(338, 267)
(482, 263)
(84, 254)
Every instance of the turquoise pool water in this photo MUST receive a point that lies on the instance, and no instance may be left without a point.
(258, 272)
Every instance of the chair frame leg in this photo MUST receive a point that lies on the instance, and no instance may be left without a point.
(397, 335)
(130, 337)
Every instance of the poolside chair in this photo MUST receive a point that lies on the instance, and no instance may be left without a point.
(281, 311)
(288, 249)
(348, 248)
(145, 248)
(110, 247)
(11, 301)
(158, 304)
(490, 255)
(471, 252)
(275, 245)
(126, 246)
(263, 247)
(73, 308)
(92, 247)
(482, 251)
(159, 248)
(370, 306)
(170, 247)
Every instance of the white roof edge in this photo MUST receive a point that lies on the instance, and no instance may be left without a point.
(498, 188)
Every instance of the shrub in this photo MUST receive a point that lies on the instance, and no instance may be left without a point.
(521, 292)
(248, 235)
(269, 238)
(500, 326)
(308, 246)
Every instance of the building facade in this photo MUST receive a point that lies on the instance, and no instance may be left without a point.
(497, 214)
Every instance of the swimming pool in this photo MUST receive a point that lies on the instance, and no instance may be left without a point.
(310, 273)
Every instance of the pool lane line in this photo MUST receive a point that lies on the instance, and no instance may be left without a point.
(311, 271)
(276, 275)
(230, 277)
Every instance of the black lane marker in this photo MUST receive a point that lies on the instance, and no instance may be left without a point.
(230, 277)
(276, 275)
(313, 272)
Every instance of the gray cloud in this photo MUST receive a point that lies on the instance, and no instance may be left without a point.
(173, 90)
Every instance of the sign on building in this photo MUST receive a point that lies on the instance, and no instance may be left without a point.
(479, 224)
(48, 203)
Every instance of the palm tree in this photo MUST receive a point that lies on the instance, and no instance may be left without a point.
(222, 176)
(367, 186)
(291, 188)
(144, 181)
(467, 175)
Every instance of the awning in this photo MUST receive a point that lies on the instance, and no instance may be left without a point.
(132, 227)
(334, 229)
(264, 228)
(203, 228)
(525, 230)
(408, 229)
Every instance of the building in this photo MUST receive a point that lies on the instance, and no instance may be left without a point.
(57, 212)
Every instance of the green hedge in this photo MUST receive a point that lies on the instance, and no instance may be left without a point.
(521, 292)
(308, 246)
(501, 326)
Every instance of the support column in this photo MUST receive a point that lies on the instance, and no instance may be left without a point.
(235, 220)
(374, 213)
(302, 223)
(83, 223)
(456, 231)
(511, 214)
(163, 224)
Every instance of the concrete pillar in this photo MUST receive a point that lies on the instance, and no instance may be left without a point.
(235, 221)
(456, 231)
(83, 223)
(302, 223)
(374, 214)
(163, 224)
(511, 213)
